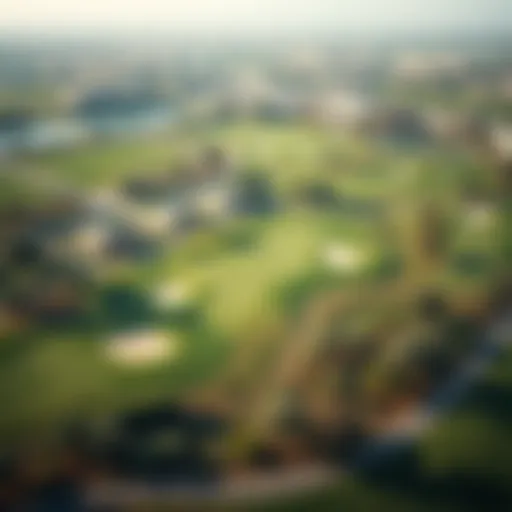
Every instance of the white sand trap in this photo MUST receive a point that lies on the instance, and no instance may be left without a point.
(343, 257)
(212, 202)
(140, 348)
(480, 217)
(172, 295)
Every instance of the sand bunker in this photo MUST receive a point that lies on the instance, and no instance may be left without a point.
(143, 347)
(343, 257)
(480, 217)
(172, 295)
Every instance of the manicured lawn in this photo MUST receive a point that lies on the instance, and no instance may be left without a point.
(290, 154)
(242, 287)
(105, 163)
(57, 378)
(237, 277)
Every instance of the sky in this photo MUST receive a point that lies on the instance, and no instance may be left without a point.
(255, 15)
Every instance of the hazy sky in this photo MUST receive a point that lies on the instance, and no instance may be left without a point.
(256, 15)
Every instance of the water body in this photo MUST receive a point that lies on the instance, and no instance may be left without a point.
(60, 133)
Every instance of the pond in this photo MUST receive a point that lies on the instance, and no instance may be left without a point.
(64, 132)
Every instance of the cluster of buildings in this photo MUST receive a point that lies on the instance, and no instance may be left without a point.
(53, 252)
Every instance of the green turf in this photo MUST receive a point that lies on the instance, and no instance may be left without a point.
(239, 275)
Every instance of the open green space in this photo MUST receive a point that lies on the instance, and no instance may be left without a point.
(240, 278)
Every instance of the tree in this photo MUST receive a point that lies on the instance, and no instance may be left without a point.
(255, 195)
(319, 195)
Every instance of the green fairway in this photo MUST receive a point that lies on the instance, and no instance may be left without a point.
(290, 154)
(239, 279)
(243, 287)
(105, 163)
(58, 378)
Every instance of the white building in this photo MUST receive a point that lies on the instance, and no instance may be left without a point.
(342, 108)
(501, 140)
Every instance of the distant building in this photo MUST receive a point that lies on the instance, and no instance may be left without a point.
(342, 109)
(195, 192)
(214, 164)
(443, 124)
(501, 140)
(57, 218)
(126, 244)
(422, 66)
(54, 295)
(147, 189)
(400, 125)
(84, 244)
(213, 184)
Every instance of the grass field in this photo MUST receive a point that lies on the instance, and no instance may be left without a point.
(235, 276)
(289, 153)
(236, 286)
(56, 378)
(243, 287)
(105, 163)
